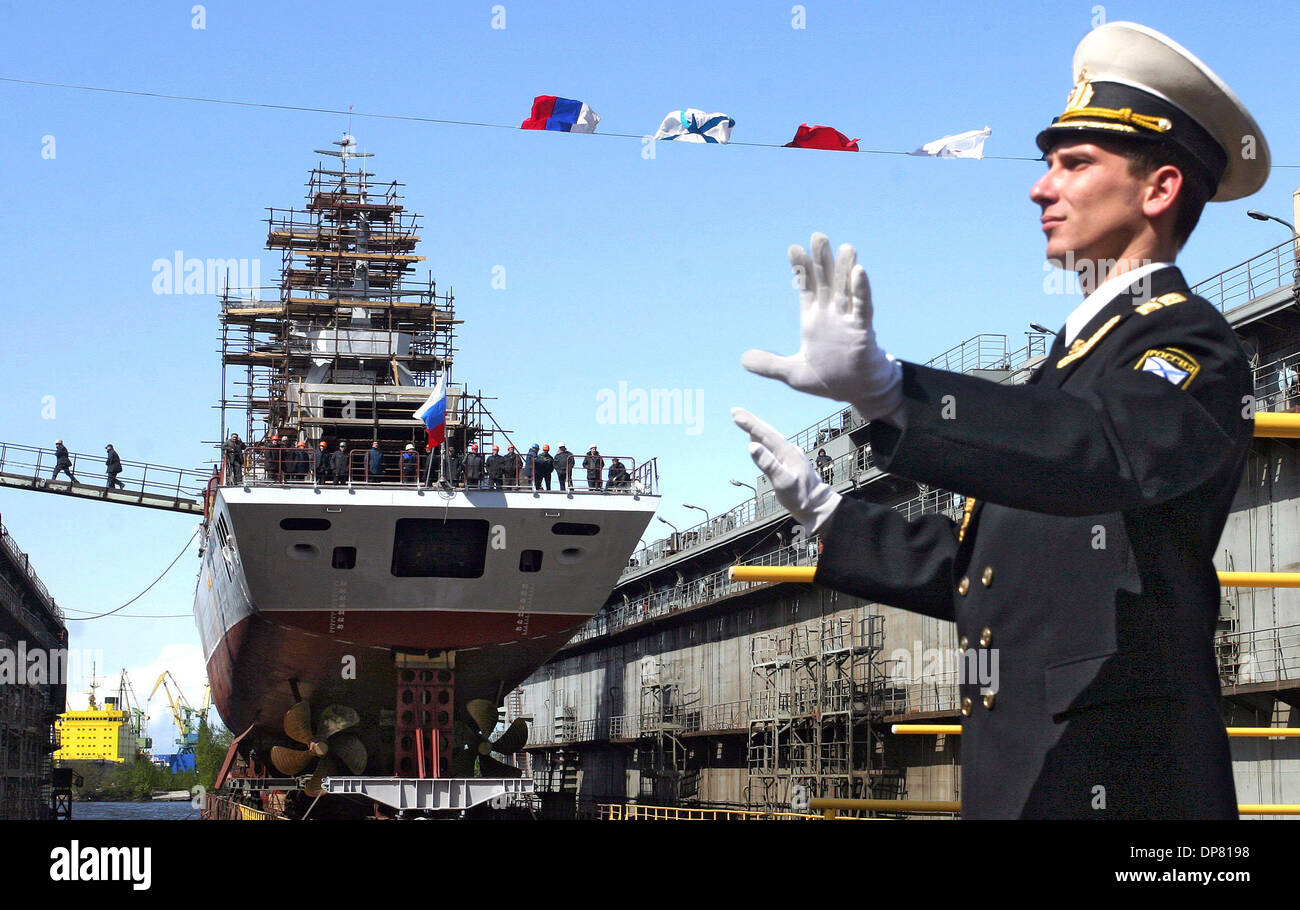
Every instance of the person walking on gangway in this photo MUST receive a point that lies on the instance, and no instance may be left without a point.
(63, 462)
(113, 466)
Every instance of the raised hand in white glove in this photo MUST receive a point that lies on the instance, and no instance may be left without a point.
(839, 357)
(796, 484)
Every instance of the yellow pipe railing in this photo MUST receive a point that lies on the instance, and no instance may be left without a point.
(1259, 579)
(1244, 732)
(1277, 426)
(805, 574)
(773, 573)
(629, 812)
(1267, 809)
(830, 807)
(827, 808)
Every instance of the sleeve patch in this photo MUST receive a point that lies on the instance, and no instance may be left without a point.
(1172, 364)
(1160, 302)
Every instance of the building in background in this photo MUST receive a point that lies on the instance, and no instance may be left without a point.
(31, 624)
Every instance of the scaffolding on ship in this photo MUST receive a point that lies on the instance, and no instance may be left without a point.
(347, 348)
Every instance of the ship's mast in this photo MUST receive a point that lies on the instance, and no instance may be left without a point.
(94, 684)
(352, 333)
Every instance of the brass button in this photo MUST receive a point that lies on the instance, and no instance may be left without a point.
(965, 707)
(964, 644)
(987, 577)
(986, 638)
(988, 700)
(963, 586)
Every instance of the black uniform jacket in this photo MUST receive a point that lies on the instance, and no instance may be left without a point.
(1096, 495)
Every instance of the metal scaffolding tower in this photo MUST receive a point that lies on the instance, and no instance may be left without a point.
(816, 699)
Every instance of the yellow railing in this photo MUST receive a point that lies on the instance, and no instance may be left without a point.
(831, 807)
(620, 812)
(1244, 732)
(805, 575)
(1277, 426)
(1241, 732)
(222, 809)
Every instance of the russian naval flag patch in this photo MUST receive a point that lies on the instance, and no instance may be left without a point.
(1177, 366)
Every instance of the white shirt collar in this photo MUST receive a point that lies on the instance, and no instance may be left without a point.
(1107, 291)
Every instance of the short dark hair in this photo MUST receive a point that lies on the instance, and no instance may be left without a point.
(1146, 157)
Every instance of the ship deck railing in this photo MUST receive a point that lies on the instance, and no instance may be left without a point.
(679, 720)
(691, 593)
(1259, 658)
(850, 467)
(1261, 274)
(295, 467)
(718, 585)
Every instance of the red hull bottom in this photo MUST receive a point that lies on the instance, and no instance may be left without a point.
(254, 669)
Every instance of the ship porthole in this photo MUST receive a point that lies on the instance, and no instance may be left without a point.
(303, 551)
(571, 555)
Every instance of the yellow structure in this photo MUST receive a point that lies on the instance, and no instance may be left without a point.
(96, 734)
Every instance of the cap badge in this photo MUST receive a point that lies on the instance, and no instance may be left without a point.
(1081, 94)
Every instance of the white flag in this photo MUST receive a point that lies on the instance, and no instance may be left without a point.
(693, 125)
(969, 144)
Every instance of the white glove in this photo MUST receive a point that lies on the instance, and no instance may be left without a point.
(805, 495)
(839, 357)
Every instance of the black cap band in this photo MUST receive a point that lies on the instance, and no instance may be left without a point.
(1124, 112)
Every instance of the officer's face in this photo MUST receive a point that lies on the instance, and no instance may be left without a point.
(1092, 205)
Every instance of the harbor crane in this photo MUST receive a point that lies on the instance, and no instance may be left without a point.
(188, 718)
(136, 717)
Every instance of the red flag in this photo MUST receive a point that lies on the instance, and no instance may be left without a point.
(821, 137)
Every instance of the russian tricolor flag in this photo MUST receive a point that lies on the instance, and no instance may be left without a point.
(434, 413)
(562, 114)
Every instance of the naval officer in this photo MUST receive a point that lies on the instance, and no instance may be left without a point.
(1095, 493)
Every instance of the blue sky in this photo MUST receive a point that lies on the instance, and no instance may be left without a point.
(653, 272)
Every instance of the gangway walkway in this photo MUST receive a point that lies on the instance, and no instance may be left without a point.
(149, 485)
